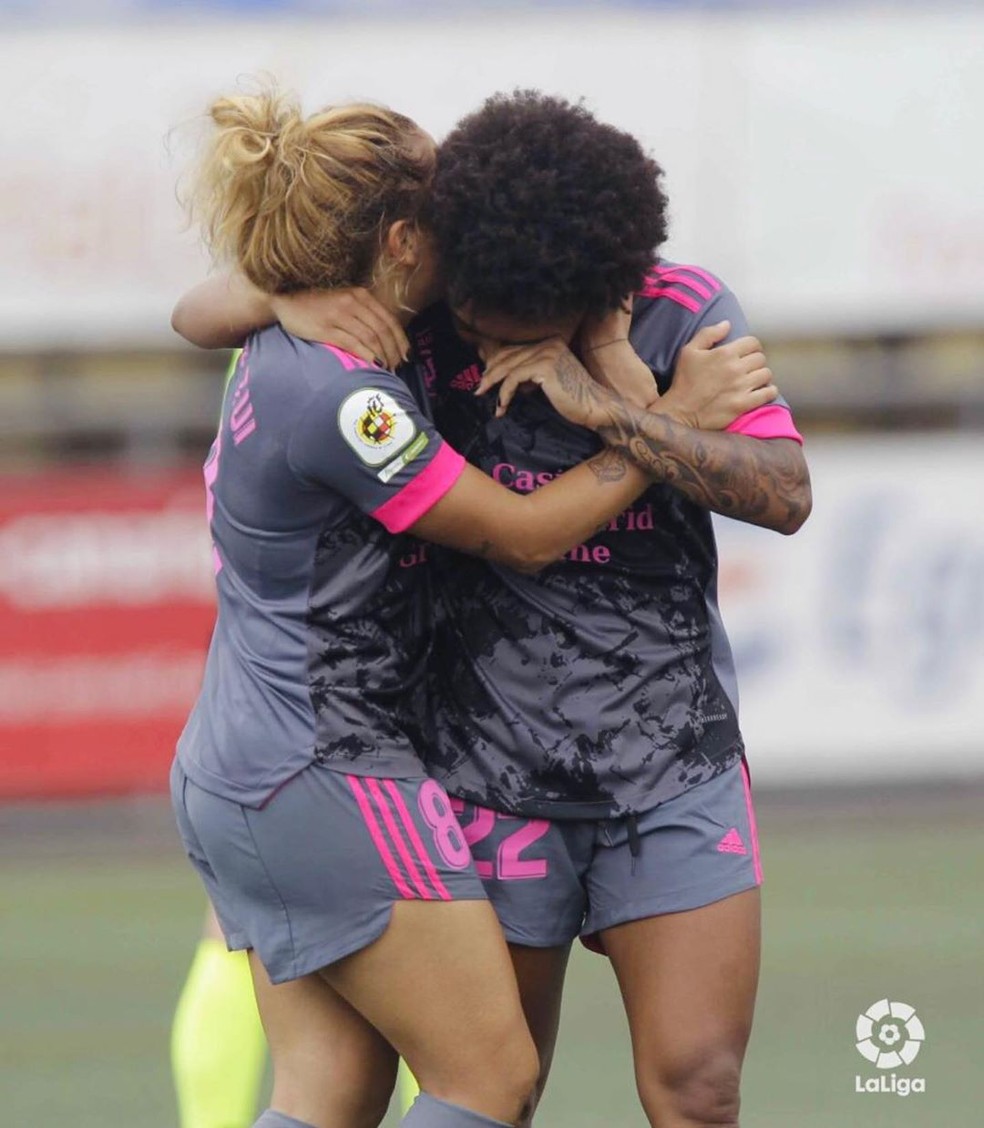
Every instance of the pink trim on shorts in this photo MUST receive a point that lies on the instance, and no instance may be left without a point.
(752, 828)
(411, 828)
(421, 492)
(379, 839)
(770, 422)
(397, 838)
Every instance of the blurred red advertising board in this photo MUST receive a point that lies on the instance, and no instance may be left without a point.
(106, 609)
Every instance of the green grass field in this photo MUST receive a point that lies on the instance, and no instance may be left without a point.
(99, 916)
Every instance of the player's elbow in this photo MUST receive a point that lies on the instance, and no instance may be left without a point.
(532, 544)
(532, 552)
(521, 555)
(798, 505)
(188, 323)
(183, 323)
(529, 561)
(791, 500)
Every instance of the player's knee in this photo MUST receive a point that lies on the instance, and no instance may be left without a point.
(702, 1089)
(364, 1104)
(307, 1098)
(525, 1069)
(515, 1070)
(499, 1079)
(351, 1093)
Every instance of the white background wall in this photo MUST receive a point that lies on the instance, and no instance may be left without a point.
(827, 163)
(860, 641)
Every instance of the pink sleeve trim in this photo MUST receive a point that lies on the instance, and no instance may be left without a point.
(423, 492)
(770, 422)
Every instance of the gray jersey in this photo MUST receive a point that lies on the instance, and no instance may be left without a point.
(323, 613)
(605, 684)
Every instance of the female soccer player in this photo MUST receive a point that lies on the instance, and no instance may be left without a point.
(297, 785)
(597, 703)
(628, 756)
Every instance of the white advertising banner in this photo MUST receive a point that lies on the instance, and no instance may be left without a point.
(825, 162)
(860, 640)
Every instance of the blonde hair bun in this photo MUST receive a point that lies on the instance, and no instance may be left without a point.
(302, 203)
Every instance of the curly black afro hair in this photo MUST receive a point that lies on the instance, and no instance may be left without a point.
(541, 211)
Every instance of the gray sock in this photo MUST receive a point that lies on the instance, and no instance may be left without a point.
(429, 1112)
(271, 1119)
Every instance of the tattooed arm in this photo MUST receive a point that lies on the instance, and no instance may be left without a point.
(761, 481)
(530, 530)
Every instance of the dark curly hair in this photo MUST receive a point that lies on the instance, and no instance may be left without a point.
(541, 211)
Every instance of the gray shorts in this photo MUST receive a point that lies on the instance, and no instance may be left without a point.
(311, 876)
(550, 881)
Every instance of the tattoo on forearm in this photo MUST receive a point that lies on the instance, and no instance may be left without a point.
(609, 466)
(764, 482)
(575, 380)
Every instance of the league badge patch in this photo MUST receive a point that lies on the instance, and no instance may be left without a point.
(375, 426)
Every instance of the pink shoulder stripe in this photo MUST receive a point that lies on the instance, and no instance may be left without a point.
(348, 361)
(422, 492)
(774, 421)
(681, 279)
(668, 271)
(678, 283)
(649, 290)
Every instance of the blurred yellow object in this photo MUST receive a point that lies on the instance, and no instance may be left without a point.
(218, 1049)
(407, 1087)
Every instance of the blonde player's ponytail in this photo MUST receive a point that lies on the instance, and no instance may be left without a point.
(300, 203)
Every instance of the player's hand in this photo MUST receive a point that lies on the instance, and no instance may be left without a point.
(551, 366)
(351, 319)
(606, 352)
(713, 384)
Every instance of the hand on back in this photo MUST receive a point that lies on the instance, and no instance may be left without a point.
(351, 319)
